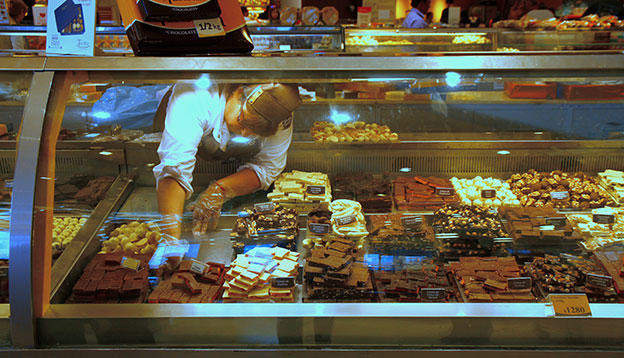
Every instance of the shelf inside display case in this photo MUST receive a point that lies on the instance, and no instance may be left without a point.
(296, 38)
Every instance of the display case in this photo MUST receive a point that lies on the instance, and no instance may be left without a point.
(296, 38)
(417, 132)
(562, 40)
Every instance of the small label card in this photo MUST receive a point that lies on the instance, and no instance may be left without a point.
(197, 267)
(519, 283)
(209, 27)
(264, 207)
(604, 218)
(315, 189)
(445, 191)
(488, 193)
(570, 304)
(432, 294)
(130, 263)
(557, 222)
(559, 195)
(345, 220)
(411, 221)
(283, 282)
(320, 229)
(599, 280)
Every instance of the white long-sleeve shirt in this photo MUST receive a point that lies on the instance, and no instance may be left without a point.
(195, 112)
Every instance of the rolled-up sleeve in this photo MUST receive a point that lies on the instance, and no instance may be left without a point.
(271, 160)
(184, 128)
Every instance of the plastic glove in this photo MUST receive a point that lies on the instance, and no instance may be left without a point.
(207, 208)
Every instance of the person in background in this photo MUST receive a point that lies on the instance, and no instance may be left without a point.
(266, 14)
(17, 11)
(475, 17)
(251, 123)
(429, 17)
(416, 17)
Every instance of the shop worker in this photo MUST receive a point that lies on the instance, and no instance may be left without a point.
(250, 123)
(415, 19)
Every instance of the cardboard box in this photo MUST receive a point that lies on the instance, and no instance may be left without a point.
(593, 91)
(531, 90)
(178, 10)
(383, 10)
(40, 15)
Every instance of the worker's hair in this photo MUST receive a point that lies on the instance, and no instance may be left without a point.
(416, 2)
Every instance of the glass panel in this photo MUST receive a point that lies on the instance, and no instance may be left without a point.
(431, 187)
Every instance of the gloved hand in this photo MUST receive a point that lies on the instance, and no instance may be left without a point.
(207, 208)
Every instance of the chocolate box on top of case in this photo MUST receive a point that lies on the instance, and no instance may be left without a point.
(178, 10)
(531, 90)
(224, 34)
(69, 18)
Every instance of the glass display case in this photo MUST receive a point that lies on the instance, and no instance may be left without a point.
(562, 40)
(296, 38)
(425, 202)
(360, 40)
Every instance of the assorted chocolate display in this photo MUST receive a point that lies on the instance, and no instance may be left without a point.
(337, 273)
(487, 279)
(373, 192)
(423, 193)
(468, 231)
(570, 274)
(538, 226)
(113, 278)
(559, 189)
(273, 225)
(427, 282)
(399, 234)
(192, 282)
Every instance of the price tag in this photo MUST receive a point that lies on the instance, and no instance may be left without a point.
(197, 267)
(557, 222)
(283, 282)
(130, 263)
(345, 220)
(519, 283)
(284, 47)
(8, 184)
(264, 207)
(320, 229)
(445, 191)
(599, 280)
(488, 193)
(570, 304)
(432, 294)
(209, 27)
(559, 195)
(411, 221)
(604, 218)
(315, 189)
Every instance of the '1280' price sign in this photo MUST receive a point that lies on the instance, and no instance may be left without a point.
(570, 304)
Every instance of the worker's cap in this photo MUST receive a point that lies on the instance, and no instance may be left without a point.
(274, 102)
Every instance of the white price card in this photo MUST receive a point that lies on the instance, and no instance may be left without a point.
(71, 27)
(209, 27)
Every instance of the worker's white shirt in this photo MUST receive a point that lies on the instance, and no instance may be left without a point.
(192, 113)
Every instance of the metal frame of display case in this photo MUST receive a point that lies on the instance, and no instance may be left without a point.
(363, 326)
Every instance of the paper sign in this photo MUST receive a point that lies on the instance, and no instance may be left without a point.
(319, 229)
(315, 189)
(209, 27)
(570, 304)
(71, 27)
(453, 15)
(519, 283)
(40, 15)
(345, 220)
(264, 207)
(444, 191)
(432, 294)
(4, 13)
(488, 193)
(130, 263)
